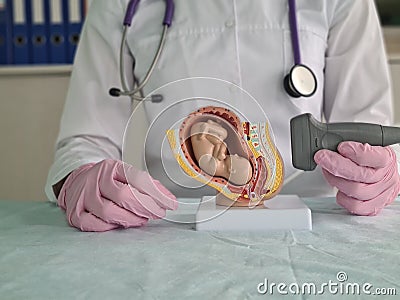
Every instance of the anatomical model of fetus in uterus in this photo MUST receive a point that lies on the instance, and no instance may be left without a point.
(237, 158)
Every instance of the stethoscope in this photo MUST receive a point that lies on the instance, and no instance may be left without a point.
(300, 82)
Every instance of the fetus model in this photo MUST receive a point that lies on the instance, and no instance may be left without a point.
(237, 158)
(211, 153)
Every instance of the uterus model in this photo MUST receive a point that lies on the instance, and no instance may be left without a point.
(238, 159)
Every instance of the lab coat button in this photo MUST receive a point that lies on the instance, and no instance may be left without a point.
(230, 23)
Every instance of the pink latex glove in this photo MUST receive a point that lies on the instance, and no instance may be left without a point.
(366, 176)
(99, 197)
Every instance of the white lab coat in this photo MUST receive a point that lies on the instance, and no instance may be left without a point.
(246, 43)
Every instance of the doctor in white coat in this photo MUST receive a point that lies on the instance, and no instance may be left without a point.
(247, 43)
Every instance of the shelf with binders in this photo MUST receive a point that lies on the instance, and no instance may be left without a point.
(40, 32)
(32, 70)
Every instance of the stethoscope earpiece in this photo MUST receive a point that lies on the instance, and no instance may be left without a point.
(300, 82)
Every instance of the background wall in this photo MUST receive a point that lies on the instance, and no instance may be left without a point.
(395, 71)
(392, 38)
(31, 104)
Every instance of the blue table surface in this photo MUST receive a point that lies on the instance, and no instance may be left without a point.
(41, 257)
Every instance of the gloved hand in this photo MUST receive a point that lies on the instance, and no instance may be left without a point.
(366, 176)
(112, 194)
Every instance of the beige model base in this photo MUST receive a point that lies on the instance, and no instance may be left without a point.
(225, 201)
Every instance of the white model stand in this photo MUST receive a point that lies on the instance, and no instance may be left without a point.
(279, 213)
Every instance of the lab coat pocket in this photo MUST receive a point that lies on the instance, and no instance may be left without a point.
(312, 51)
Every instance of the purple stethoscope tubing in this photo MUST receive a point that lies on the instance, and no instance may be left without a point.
(132, 7)
(292, 82)
(294, 32)
(125, 91)
(169, 12)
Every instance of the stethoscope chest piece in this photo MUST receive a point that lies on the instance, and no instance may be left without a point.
(300, 82)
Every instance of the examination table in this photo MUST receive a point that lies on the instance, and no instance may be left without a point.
(41, 257)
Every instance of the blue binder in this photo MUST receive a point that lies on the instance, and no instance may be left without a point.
(20, 31)
(39, 34)
(5, 33)
(74, 15)
(57, 31)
